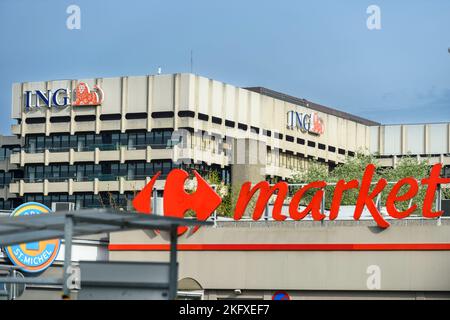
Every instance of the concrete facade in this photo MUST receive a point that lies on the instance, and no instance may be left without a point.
(8, 171)
(214, 113)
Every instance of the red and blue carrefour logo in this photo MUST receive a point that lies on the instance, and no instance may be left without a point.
(33, 256)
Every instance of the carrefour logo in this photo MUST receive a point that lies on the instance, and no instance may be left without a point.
(33, 256)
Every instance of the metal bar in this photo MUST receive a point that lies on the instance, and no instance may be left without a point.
(68, 232)
(378, 202)
(29, 236)
(439, 198)
(173, 272)
(154, 205)
(322, 207)
(41, 281)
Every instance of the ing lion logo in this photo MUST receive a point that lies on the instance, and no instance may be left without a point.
(85, 97)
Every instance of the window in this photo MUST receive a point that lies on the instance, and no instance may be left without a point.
(158, 138)
(322, 146)
(160, 115)
(65, 142)
(85, 118)
(290, 138)
(59, 119)
(341, 151)
(40, 142)
(331, 149)
(203, 117)
(216, 120)
(110, 117)
(138, 115)
(186, 114)
(254, 129)
(230, 123)
(278, 135)
(242, 126)
(300, 141)
(267, 133)
(311, 144)
(35, 120)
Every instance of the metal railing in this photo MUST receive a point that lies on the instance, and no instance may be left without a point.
(101, 147)
(104, 177)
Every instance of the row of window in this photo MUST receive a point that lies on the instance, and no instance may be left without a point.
(109, 171)
(268, 133)
(85, 118)
(104, 171)
(203, 117)
(160, 138)
(157, 139)
(5, 151)
(85, 200)
(7, 176)
(9, 204)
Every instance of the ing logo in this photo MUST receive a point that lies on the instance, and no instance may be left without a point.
(34, 256)
(83, 96)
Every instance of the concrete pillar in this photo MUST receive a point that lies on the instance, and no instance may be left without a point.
(150, 102)
(123, 107)
(121, 185)
(71, 156)
(96, 155)
(426, 139)
(45, 186)
(249, 161)
(70, 187)
(46, 157)
(148, 154)
(176, 99)
(95, 185)
(122, 154)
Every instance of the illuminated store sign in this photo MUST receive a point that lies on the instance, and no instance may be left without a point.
(204, 201)
(305, 122)
(82, 95)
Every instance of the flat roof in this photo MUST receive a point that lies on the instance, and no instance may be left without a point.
(312, 105)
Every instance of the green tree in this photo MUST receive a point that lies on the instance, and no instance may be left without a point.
(407, 167)
(354, 168)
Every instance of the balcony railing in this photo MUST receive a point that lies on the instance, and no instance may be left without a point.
(102, 177)
(101, 147)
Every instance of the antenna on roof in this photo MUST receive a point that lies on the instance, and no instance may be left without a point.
(159, 70)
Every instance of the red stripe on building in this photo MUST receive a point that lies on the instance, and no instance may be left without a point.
(287, 247)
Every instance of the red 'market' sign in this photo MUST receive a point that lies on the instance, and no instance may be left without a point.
(205, 200)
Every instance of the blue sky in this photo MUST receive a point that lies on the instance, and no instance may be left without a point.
(319, 50)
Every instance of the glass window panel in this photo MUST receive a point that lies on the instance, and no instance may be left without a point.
(166, 167)
(157, 166)
(141, 138)
(40, 142)
(65, 141)
(158, 137)
(64, 171)
(140, 169)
